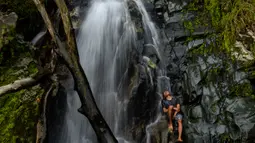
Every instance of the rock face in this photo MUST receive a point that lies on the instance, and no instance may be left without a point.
(210, 87)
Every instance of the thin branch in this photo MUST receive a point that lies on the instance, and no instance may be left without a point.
(61, 46)
(42, 122)
(17, 85)
(21, 84)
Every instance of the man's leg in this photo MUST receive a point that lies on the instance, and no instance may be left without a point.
(179, 118)
(170, 114)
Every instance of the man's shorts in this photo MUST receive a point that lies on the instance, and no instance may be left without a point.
(178, 116)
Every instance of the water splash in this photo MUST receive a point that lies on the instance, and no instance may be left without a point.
(149, 26)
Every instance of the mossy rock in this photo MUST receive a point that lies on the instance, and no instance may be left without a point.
(21, 68)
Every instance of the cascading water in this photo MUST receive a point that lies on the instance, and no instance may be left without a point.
(106, 37)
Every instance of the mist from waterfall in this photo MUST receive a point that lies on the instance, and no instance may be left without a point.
(105, 39)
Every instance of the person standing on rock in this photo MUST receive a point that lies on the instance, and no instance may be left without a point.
(171, 106)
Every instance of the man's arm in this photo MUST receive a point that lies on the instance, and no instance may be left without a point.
(163, 107)
(178, 106)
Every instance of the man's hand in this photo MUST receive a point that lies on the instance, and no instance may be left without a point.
(175, 113)
(164, 109)
(178, 108)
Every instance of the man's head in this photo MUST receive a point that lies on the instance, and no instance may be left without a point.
(166, 93)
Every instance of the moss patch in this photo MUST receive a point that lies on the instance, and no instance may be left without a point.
(21, 68)
(18, 115)
(242, 89)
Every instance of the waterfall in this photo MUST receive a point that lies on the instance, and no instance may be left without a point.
(105, 39)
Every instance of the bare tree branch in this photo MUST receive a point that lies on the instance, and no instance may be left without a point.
(17, 85)
(20, 84)
(41, 124)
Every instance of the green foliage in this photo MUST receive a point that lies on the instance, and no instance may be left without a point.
(189, 26)
(139, 30)
(151, 64)
(18, 115)
(228, 18)
(7, 34)
(225, 138)
(242, 89)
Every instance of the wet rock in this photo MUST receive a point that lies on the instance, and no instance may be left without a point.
(55, 112)
(8, 19)
(196, 113)
(219, 113)
(204, 84)
(142, 101)
(157, 132)
(251, 135)
(78, 10)
(176, 5)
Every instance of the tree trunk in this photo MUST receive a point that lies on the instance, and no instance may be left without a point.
(71, 57)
